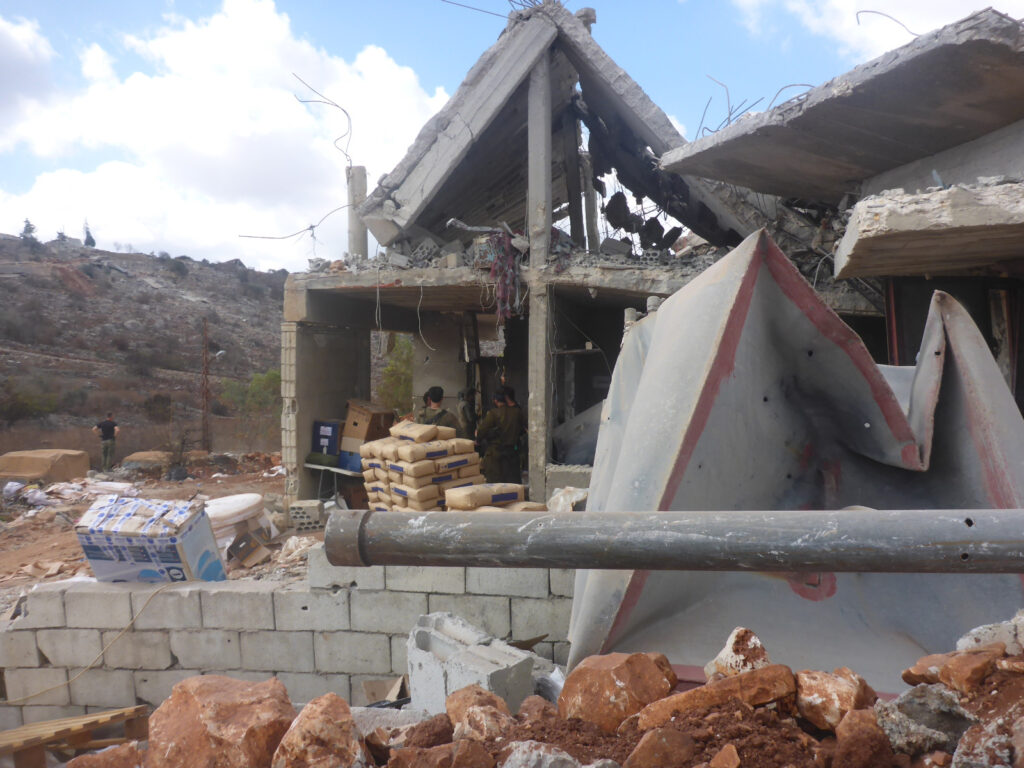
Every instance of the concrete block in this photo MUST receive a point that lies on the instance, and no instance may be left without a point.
(304, 687)
(561, 655)
(103, 688)
(562, 581)
(436, 638)
(352, 652)
(42, 714)
(44, 607)
(98, 605)
(175, 607)
(390, 612)
(323, 575)
(137, 650)
(300, 608)
(238, 605)
(69, 647)
(10, 717)
(545, 650)
(248, 675)
(20, 683)
(497, 667)
(415, 578)
(489, 613)
(280, 651)
(18, 649)
(519, 582)
(206, 649)
(399, 654)
(537, 617)
(153, 686)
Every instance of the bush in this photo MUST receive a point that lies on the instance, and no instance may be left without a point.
(17, 404)
(396, 380)
(178, 268)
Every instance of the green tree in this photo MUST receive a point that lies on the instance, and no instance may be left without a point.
(258, 404)
(396, 379)
(28, 232)
(90, 241)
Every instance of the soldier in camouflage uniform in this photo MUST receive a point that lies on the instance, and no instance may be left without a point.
(500, 429)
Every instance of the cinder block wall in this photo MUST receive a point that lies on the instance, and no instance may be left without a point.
(343, 626)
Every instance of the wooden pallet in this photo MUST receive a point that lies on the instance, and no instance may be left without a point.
(29, 743)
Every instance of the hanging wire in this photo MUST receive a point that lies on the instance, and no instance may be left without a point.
(473, 8)
(419, 322)
(891, 18)
(331, 103)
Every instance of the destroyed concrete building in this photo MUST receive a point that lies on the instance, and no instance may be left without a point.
(470, 251)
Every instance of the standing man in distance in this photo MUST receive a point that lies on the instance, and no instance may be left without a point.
(108, 431)
(435, 414)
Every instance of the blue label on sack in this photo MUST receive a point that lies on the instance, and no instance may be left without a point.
(442, 478)
(437, 454)
(456, 464)
(401, 492)
(500, 497)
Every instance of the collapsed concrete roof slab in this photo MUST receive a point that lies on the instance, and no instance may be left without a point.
(940, 231)
(945, 88)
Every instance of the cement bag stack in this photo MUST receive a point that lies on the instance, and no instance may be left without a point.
(491, 496)
(411, 470)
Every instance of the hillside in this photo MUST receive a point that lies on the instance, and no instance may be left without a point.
(84, 331)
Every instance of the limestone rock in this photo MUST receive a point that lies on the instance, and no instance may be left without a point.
(860, 742)
(472, 696)
(211, 721)
(985, 745)
(121, 756)
(727, 757)
(743, 652)
(459, 754)
(1004, 632)
(430, 733)
(536, 708)
(756, 687)
(322, 736)
(484, 723)
(534, 754)
(661, 748)
(662, 662)
(823, 699)
(966, 669)
(607, 689)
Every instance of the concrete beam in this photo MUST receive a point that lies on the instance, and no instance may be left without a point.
(571, 158)
(539, 379)
(335, 308)
(358, 243)
(538, 209)
(590, 203)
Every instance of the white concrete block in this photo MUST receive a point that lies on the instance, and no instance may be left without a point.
(248, 675)
(519, 582)
(206, 648)
(304, 687)
(300, 608)
(323, 575)
(238, 605)
(98, 605)
(69, 647)
(137, 650)
(103, 688)
(561, 655)
(537, 617)
(44, 607)
(399, 654)
(277, 651)
(42, 714)
(352, 652)
(562, 581)
(436, 638)
(153, 686)
(390, 612)
(20, 683)
(18, 649)
(415, 578)
(491, 614)
(175, 607)
(497, 667)
(10, 717)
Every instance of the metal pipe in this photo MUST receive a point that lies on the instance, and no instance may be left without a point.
(853, 540)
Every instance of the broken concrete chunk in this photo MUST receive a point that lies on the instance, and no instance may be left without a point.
(985, 745)
(484, 724)
(823, 699)
(1004, 632)
(743, 652)
(323, 736)
(535, 754)
(211, 721)
(607, 689)
(661, 748)
(933, 707)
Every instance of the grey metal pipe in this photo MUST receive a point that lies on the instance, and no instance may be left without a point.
(851, 540)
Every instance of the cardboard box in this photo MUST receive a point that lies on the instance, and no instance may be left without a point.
(365, 421)
(130, 539)
(327, 436)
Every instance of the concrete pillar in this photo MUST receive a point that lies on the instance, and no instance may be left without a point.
(571, 154)
(358, 243)
(539, 152)
(539, 385)
(590, 203)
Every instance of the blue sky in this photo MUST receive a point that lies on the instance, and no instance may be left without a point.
(173, 126)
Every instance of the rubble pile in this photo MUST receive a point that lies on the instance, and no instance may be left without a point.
(966, 710)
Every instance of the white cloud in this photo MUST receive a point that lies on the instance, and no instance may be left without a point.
(837, 20)
(214, 142)
(25, 56)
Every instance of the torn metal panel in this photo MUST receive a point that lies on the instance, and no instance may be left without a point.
(945, 88)
(771, 402)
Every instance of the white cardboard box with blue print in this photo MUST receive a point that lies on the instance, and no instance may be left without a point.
(154, 540)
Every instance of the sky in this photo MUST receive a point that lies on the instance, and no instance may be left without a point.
(179, 126)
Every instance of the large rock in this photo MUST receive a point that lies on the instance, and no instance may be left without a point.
(323, 736)
(535, 709)
(121, 756)
(823, 699)
(472, 696)
(861, 743)
(459, 754)
(607, 689)
(661, 748)
(743, 652)
(484, 724)
(756, 688)
(962, 670)
(534, 754)
(213, 721)
(923, 719)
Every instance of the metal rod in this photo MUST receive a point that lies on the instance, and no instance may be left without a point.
(850, 540)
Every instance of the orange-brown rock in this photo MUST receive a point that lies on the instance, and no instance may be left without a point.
(459, 754)
(661, 748)
(213, 721)
(607, 689)
(484, 723)
(966, 672)
(121, 756)
(756, 687)
(429, 733)
(535, 708)
(322, 736)
(969, 664)
(727, 757)
(472, 696)
(860, 742)
(665, 666)
(823, 699)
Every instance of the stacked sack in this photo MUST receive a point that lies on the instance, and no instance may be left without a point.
(411, 470)
(491, 497)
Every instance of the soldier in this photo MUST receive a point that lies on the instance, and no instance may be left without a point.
(467, 412)
(435, 414)
(501, 428)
